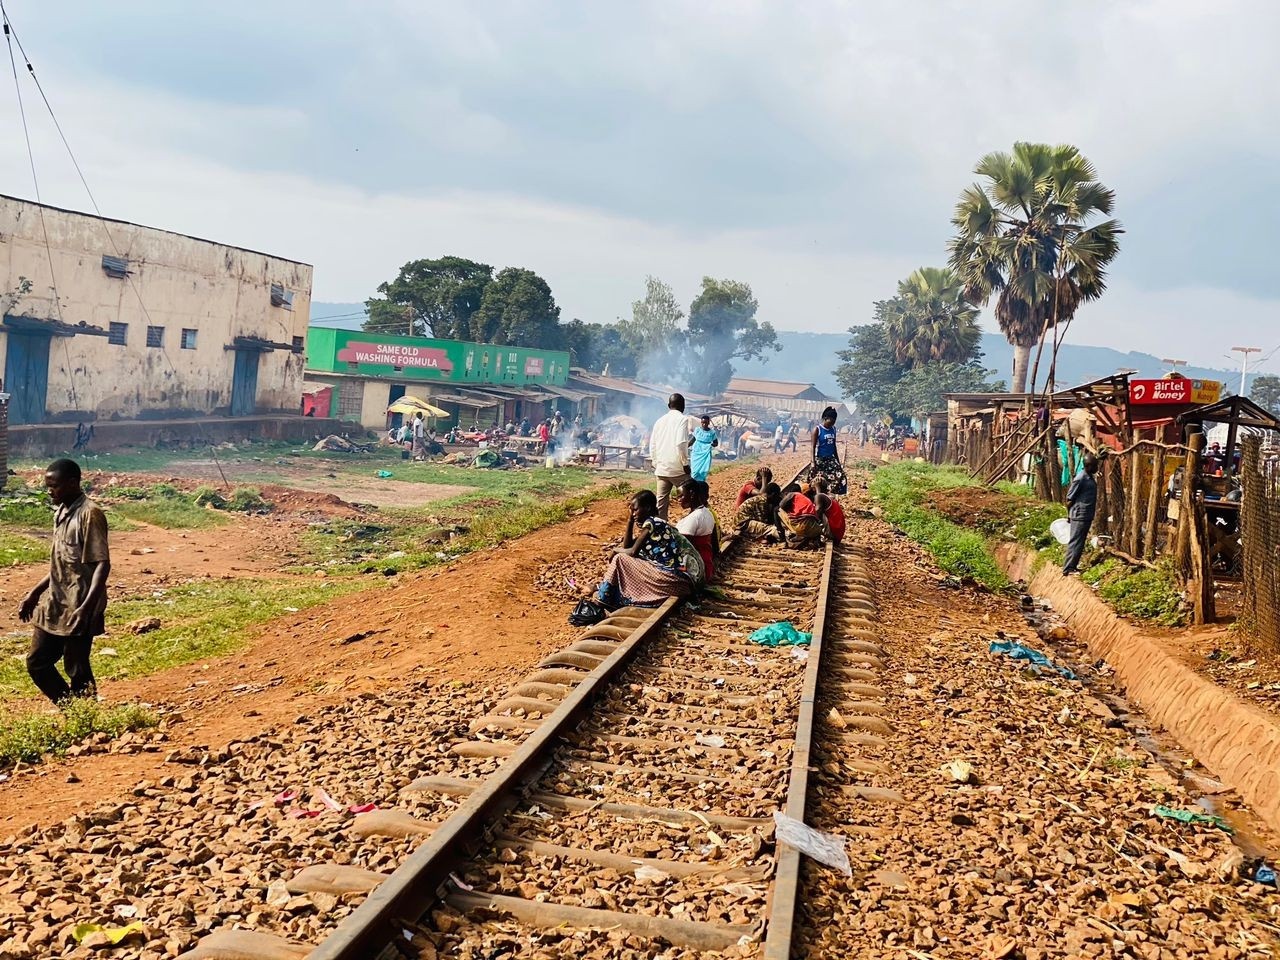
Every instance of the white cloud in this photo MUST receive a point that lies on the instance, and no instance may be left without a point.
(814, 150)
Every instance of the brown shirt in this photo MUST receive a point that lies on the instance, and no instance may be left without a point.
(79, 542)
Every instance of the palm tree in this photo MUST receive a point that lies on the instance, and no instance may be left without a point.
(1025, 237)
(929, 320)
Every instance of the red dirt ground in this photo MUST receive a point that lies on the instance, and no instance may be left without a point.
(481, 618)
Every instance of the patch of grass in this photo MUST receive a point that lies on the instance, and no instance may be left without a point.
(1138, 592)
(26, 508)
(197, 620)
(410, 539)
(17, 548)
(28, 735)
(961, 552)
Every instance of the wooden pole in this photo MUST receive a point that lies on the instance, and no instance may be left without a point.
(1190, 481)
(1134, 524)
(1103, 523)
(1154, 497)
(1115, 490)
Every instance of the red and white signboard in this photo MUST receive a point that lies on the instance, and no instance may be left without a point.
(533, 366)
(1180, 390)
(396, 355)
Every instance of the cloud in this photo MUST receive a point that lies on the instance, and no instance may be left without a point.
(815, 150)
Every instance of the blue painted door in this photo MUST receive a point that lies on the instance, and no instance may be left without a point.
(244, 383)
(26, 376)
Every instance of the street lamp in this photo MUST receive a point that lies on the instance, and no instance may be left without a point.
(1174, 364)
(1244, 363)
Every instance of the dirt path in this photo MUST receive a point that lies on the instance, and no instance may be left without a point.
(482, 619)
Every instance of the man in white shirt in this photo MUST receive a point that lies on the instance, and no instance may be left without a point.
(669, 451)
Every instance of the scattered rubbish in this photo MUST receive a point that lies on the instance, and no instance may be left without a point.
(779, 635)
(320, 798)
(1265, 875)
(961, 771)
(1016, 651)
(384, 474)
(826, 848)
(1061, 530)
(108, 652)
(145, 625)
(395, 555)
(141, 551)
(650, 874)
(359, 808)
(460, 883)
(277, 894)
(710, 739)
(1064, 715)
(836, 720)
(1190, 816)
(1205, 784)
(336, 444)
(113, 935)
(126, 911)
(908, 679)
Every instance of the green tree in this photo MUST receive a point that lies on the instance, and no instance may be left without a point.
(1027, 236)
(723, 327)
(929, 320)
(1265, 392)
(598, 347)
(919, 390)
(518, 310)
(653, 334)
(433, 298)
(869, 370)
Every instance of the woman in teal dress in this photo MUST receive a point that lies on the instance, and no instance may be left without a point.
(704, 441)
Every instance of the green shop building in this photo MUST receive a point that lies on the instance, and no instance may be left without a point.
(356, 375)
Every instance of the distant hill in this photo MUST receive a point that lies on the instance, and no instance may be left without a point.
(811, 357)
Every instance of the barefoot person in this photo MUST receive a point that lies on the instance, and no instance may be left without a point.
(654, 562)
(758, 515)
(799, 517)
(764, 477)
(66, 608)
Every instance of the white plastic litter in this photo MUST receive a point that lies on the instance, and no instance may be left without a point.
(826, 848)
(709, 739)
(1061, 529)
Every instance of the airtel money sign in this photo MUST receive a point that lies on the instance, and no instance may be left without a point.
(1178, 391)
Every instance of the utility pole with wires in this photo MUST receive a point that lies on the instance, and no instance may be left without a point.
(1174, 364)
(1244, 364)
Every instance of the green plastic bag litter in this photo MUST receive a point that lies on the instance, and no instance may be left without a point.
(384, 474)
(780, 635)
(1190, 816)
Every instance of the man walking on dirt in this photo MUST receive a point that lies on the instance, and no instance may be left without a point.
(669, 451)
(66, 608)
(1082, 501)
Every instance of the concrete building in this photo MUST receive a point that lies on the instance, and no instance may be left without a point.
(476, 383)
(125, 322)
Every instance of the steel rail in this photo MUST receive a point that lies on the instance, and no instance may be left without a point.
(419, 883)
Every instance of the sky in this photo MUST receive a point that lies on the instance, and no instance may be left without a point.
(814, 150)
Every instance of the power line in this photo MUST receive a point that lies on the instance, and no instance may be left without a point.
(10, 32)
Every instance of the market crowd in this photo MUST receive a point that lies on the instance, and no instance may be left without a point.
(658, 558)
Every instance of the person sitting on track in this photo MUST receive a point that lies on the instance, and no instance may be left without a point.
(758, 515)
(830, 512)
(699, 524)
(799, 517)
(764, 477)
(654, 562)
(825, 460)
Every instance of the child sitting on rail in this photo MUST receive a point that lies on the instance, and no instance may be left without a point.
(799, 517)
(758, 515)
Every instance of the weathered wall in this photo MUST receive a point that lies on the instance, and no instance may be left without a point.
(220, 291)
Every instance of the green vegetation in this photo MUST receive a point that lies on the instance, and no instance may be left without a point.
(27, 735)
(196, 620)
(514, 504)
(1138, 592)
(161, 505)
(17, 548)
(961, 552)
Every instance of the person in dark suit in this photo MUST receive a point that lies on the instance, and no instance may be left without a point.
(1082, 503)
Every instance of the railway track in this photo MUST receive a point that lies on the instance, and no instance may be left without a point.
(640, 770)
